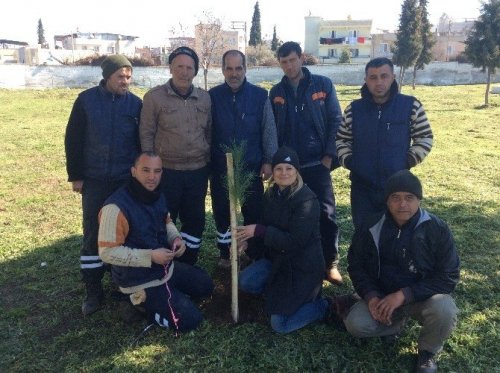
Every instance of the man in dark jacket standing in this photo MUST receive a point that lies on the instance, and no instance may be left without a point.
(307, 115)
(241, 114)
(102, 141)
(382, 132)
(404, 264)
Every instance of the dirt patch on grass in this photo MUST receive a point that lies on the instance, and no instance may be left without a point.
(217, 308)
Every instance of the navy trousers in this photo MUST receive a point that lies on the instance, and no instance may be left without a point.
(94, 193)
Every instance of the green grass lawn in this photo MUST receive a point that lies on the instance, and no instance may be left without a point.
(41, 327)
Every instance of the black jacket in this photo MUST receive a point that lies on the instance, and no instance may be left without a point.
(292, 243)
(432, 250)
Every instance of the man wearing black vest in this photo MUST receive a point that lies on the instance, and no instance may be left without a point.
(241, 115)
(382, 132)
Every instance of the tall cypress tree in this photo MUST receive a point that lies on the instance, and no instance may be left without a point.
(41, 34)
(482, 46)
(427, 40)
(275, 42)
(255, 33)
(408, 40)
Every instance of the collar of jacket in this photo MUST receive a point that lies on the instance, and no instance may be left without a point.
(365, 93)
(306, 79)
(104, 91)
(377, 227)
(172, 92)
(230, 90)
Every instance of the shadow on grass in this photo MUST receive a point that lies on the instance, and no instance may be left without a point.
(41, 327)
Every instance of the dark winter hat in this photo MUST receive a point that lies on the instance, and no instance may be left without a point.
(113, 63)
(286, 155)
(188, 52)
(403, 181)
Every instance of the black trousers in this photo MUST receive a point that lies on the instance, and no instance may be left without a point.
(319, 180)
(185, 192)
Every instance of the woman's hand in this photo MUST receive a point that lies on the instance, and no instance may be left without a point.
(242, 246)
(245, 232)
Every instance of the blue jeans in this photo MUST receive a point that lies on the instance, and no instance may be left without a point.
(253, 280)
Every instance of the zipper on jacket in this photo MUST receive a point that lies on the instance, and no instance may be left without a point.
(399, 233)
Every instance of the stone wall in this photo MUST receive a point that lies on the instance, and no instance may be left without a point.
(23, 76)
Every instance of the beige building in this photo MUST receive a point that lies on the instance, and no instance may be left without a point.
(326, 39)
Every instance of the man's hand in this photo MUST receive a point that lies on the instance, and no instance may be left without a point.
(327, 161)
(266, 171)
(372, 307)
(178, 246)
(388, 304)
(162, 256)
(77, 186)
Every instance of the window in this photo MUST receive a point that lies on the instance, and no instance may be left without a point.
(333, 34)
(354, 52)
(384, 48)
(332, 53)
(111, 50)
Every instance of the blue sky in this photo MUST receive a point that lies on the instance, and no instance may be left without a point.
(152, 21)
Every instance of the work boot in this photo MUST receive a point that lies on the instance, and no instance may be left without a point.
(130, 313)
(426, 362)
(93, 298)
(333, 276)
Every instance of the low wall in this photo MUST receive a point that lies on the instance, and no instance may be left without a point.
(23, 76)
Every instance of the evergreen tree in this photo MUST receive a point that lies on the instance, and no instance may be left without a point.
(345, 56)
(275, 43)
(255, 33)
(427, 38)
(408, 43)
(41, 34)
(482, 46)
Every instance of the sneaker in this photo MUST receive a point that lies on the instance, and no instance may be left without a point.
(224, 263)
(333, 276)
(426, 362)
(93, 299)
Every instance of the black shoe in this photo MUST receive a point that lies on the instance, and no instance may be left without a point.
(332, 316)
(93, 299)
(426, 362)
(130, 313)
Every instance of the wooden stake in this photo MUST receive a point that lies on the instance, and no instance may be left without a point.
(233, 203)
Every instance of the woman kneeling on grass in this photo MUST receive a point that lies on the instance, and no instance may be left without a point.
(291, 269)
